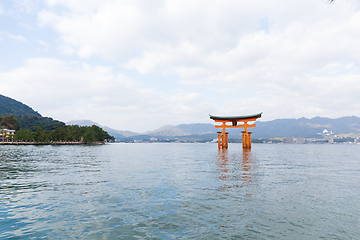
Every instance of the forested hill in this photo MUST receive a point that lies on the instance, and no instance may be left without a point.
(26, 117)
(10, 106)
(29, 121)
(31, 126)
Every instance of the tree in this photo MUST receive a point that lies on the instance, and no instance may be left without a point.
(24, 134)
(64, 133)
(89, 135)
(58, 134)
(9, 122)
(41, 135)
(29, 121)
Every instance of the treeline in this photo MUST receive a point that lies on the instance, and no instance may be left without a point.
(42, 129)
(29, 121)
(9, 122)
(85, 134)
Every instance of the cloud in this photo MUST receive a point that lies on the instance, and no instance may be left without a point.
(44, 44)
(70, 91)
(119, 29)
(16, 37)
(129, 62)
(203, 41)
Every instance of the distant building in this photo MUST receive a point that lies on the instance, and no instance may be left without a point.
(153, 139)
(6, 134)
(331, 140)
(357, 141)
(300, 140)
(326, 132)
(288, 140)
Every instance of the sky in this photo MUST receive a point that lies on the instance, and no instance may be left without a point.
(139, 65)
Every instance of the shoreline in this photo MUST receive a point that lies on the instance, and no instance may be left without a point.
(50, 143)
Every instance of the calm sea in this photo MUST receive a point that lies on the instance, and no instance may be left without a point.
(180, 191)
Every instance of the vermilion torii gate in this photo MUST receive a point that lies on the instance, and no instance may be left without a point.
(246, 136)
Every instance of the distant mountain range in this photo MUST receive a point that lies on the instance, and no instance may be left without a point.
(302, 127)
(183, 130)
(194, 131)
(117, 134)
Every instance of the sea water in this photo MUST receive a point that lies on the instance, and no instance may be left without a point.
(180, 191)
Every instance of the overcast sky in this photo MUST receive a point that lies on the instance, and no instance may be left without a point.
(138, 64)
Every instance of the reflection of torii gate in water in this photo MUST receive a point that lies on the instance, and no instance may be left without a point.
(246, 136)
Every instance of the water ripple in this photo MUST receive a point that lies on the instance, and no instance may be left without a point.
(179, 191)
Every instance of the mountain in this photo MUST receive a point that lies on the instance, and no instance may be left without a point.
(304, 127)
(10, 106)
(26, 117)
(117, 134)
(30, 121)
(193, 131)
(183, 130)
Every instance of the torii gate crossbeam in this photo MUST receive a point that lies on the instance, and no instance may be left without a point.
(246, 136)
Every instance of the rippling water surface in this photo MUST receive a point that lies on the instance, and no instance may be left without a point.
(182, 191)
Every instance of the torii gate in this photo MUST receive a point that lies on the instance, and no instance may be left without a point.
(246, 136)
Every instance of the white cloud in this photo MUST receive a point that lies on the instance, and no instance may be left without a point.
(70, 91)
(214, 38)
(16, 37)
(119, 29)
(44, 44)
(296, 58)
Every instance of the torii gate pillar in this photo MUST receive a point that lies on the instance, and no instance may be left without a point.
(246, 136)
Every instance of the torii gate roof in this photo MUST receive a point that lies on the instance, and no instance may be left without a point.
(236, 118)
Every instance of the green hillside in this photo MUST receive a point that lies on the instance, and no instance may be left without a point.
(29, 121)
(31, 126)
(26, 117)
(10, 106)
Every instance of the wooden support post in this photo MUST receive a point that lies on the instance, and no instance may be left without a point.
(249, 139)
(227, 140)
(219, 139)
(223, 135)
(243, 139)
(246, 139)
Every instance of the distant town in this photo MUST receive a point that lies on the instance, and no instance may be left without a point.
(332, 139)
